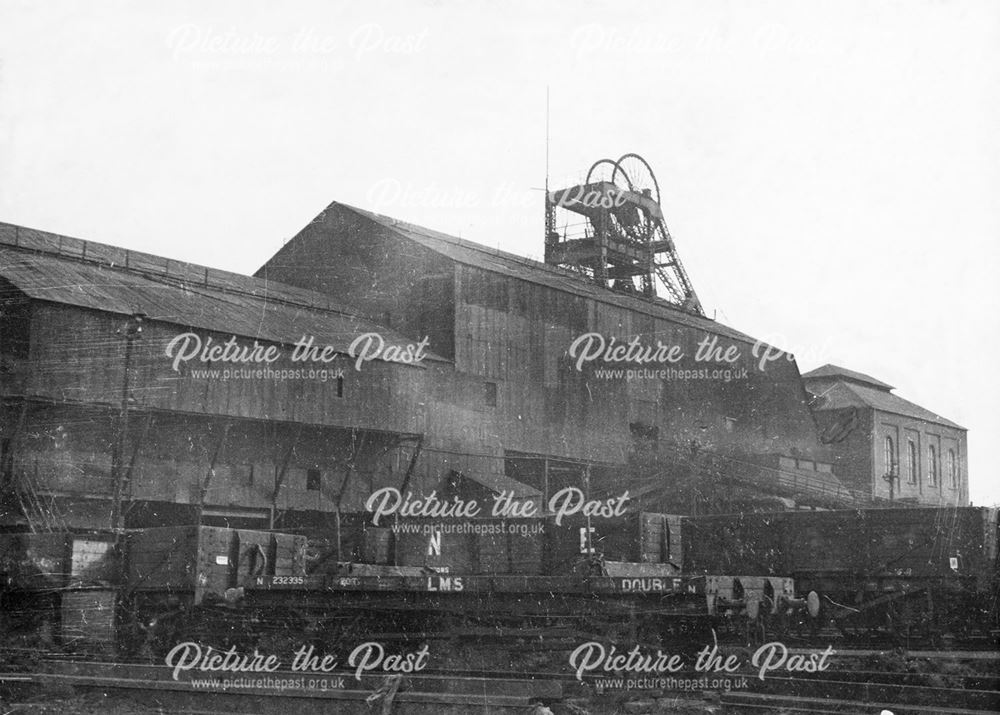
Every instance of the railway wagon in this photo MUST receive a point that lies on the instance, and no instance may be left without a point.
(525, 546)
(181, 579)
(146, 589)
(479, 546)
(929, 570)
(196, 562)
(56, 560)
(514, 578)
(58, 587)
(578, 544)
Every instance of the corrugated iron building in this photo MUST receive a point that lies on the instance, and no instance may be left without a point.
(509, 321)
(232, 448)
(88, 403)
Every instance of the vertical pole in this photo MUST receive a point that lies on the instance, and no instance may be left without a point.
(550, 217)
(133, 330)
(548, 211)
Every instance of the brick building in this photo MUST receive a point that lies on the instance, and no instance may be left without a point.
(887, 446)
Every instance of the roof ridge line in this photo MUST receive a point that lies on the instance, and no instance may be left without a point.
(176, 279)
(524, 260)
(938, 418)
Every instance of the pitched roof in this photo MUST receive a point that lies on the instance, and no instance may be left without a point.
(59, 269)
(844, 394)
(509, 264)
(837, 372)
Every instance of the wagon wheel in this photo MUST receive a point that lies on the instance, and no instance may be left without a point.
(774, 613)
(814, 615)
(756, 624)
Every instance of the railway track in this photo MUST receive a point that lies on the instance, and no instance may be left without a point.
(285, 691)
(948, 682)
(867, 692)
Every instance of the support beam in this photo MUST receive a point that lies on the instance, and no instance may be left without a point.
(412, 465)
(211, 469)
(351, 467)
(279, 475)
(406, 485)
(127, 480)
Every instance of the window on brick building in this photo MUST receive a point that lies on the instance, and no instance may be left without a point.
(890, 456)
(312, 480)
(932, 466)
(953, 469)
(911, 461)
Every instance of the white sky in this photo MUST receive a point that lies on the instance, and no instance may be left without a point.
(829, 170)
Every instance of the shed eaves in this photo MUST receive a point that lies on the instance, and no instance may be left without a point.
(845, 394)
(829, 371)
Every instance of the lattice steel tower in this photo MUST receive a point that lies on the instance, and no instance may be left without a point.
(612, 230)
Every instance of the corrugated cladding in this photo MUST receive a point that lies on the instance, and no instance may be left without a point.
(513, 266)
(69, 271)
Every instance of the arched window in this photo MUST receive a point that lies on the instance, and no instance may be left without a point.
(911, 461)
(953, 469)
(890, 456)
(932, 466)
